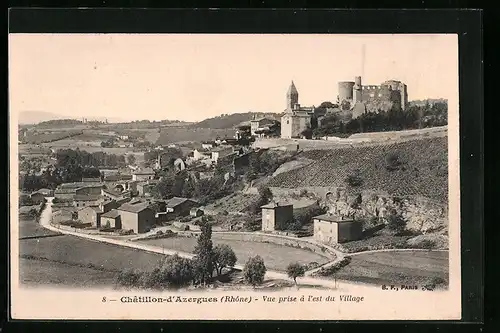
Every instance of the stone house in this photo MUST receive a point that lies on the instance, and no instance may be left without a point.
(111, 219)
(90, 215)
(276, 216)
(180, 206)
(331, 229)
(136, 216)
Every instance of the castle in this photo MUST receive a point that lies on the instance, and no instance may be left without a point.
(389, 91)
(352, 100)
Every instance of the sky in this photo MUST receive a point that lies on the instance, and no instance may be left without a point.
(191, 77)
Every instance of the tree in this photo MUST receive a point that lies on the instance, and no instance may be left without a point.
(131, 159)
(224, 257)
(396, 222)
(265, 195)
(203, 261)
(295, 270)
(254, 270)
(176, 271)
(307, 133)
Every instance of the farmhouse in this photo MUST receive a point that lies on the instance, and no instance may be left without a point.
(180, 206)
(111, 219)
(275, 216)
(90, 215)
(136, 216)
(143, 174)
(329, 228)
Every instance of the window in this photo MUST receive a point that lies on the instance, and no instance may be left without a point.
(372, 95)
(379, 95)
(288, 122)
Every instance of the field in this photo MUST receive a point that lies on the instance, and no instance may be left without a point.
(173, 135)
(72, 261)
(405, 267)
(275, 257)
(30, 228)
(418, 167)
(50, 136)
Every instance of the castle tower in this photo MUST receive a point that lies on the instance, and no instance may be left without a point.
(357, 89)
(292, 97)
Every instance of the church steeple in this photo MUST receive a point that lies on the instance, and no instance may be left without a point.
(292, 97)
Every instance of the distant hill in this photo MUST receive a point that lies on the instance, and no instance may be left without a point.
(35, 117)
(227, 121)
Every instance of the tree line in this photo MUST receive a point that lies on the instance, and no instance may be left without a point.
(71, 166)
(414, 117)
(209, 263)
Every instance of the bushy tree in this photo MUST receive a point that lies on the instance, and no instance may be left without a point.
(254, 270)
(295, 270)
(224, 256)
(396, 222)
(177, 271)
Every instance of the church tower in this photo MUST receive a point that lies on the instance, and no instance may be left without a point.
(292, 97)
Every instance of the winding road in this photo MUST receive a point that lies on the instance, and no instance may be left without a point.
(46, 217)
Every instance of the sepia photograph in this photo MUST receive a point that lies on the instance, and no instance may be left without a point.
(230, 176)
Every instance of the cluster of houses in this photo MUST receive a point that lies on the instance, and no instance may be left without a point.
(328, 228)
(116, 201)
(226, 153)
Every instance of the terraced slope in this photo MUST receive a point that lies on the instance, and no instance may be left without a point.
(422, 169)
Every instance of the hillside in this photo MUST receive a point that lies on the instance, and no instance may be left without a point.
(227, 121)
(417, 167)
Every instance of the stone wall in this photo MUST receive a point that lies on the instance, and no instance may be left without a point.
(269, 238)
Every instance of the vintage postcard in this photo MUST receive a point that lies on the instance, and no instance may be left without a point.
(234, 177)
